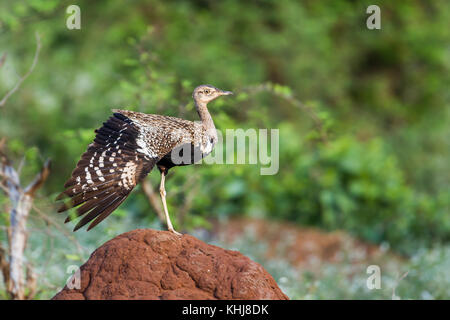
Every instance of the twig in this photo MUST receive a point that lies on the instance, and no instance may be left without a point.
(394, 296)
(80, 249)
(25, 76)
(192, 186)
(153, 200)
(21, 164)
(2, 60)
(21, 204)
(4, 188)
(2, 144)
(39, 180)
(4, 266)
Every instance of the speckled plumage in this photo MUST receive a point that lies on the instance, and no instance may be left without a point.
(125, 150)
(161, 134)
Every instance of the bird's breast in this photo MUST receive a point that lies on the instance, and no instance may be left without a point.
(208, 142)
(207, 147)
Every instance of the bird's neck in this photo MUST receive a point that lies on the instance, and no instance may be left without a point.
(205, 117)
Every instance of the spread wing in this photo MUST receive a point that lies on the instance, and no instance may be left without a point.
(107, 172)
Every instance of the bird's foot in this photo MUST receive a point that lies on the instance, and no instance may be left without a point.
(176, 232)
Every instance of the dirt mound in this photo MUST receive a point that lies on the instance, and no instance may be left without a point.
(150, 264)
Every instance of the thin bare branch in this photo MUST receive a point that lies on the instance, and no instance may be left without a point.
(31, 282)
(4, 266)
(26, 75)
(2, 60)
(4, 188)
(21, 164)
(66, 233)
(394, 295)
(153, 199)
(2, 147)
(21, 204)
(192, 186)
(39, 180)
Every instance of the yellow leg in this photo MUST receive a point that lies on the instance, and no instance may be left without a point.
(162, 192)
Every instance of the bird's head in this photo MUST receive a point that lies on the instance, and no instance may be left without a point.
(206, 93)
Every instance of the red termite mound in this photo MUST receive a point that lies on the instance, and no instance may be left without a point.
(150, 264)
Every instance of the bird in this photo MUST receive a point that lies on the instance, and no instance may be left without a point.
(126, 148)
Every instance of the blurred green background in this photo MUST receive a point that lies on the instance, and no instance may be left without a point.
(363, 118)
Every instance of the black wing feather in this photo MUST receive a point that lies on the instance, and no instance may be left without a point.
(106, 173)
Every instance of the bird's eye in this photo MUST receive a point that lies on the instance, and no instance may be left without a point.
(207, 91)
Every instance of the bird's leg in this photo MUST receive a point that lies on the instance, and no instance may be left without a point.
(162, 192)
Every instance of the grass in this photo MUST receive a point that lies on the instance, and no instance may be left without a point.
(52, 253)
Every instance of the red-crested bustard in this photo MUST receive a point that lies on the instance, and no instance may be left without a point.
(125, 150)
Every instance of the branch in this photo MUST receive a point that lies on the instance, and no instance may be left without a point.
(3, 187)
(192, 186)
(31, 282)
(39, 180)
(62, 230)
(26, 75)
(394, 296)
(2, 144)
(21, 204)
(153, 199)
(2, 60)
(4, 266)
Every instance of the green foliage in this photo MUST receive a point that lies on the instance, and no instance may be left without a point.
(356, 186)
(373, 95)
(363, 115)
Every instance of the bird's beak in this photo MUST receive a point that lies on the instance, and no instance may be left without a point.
(225, 93)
